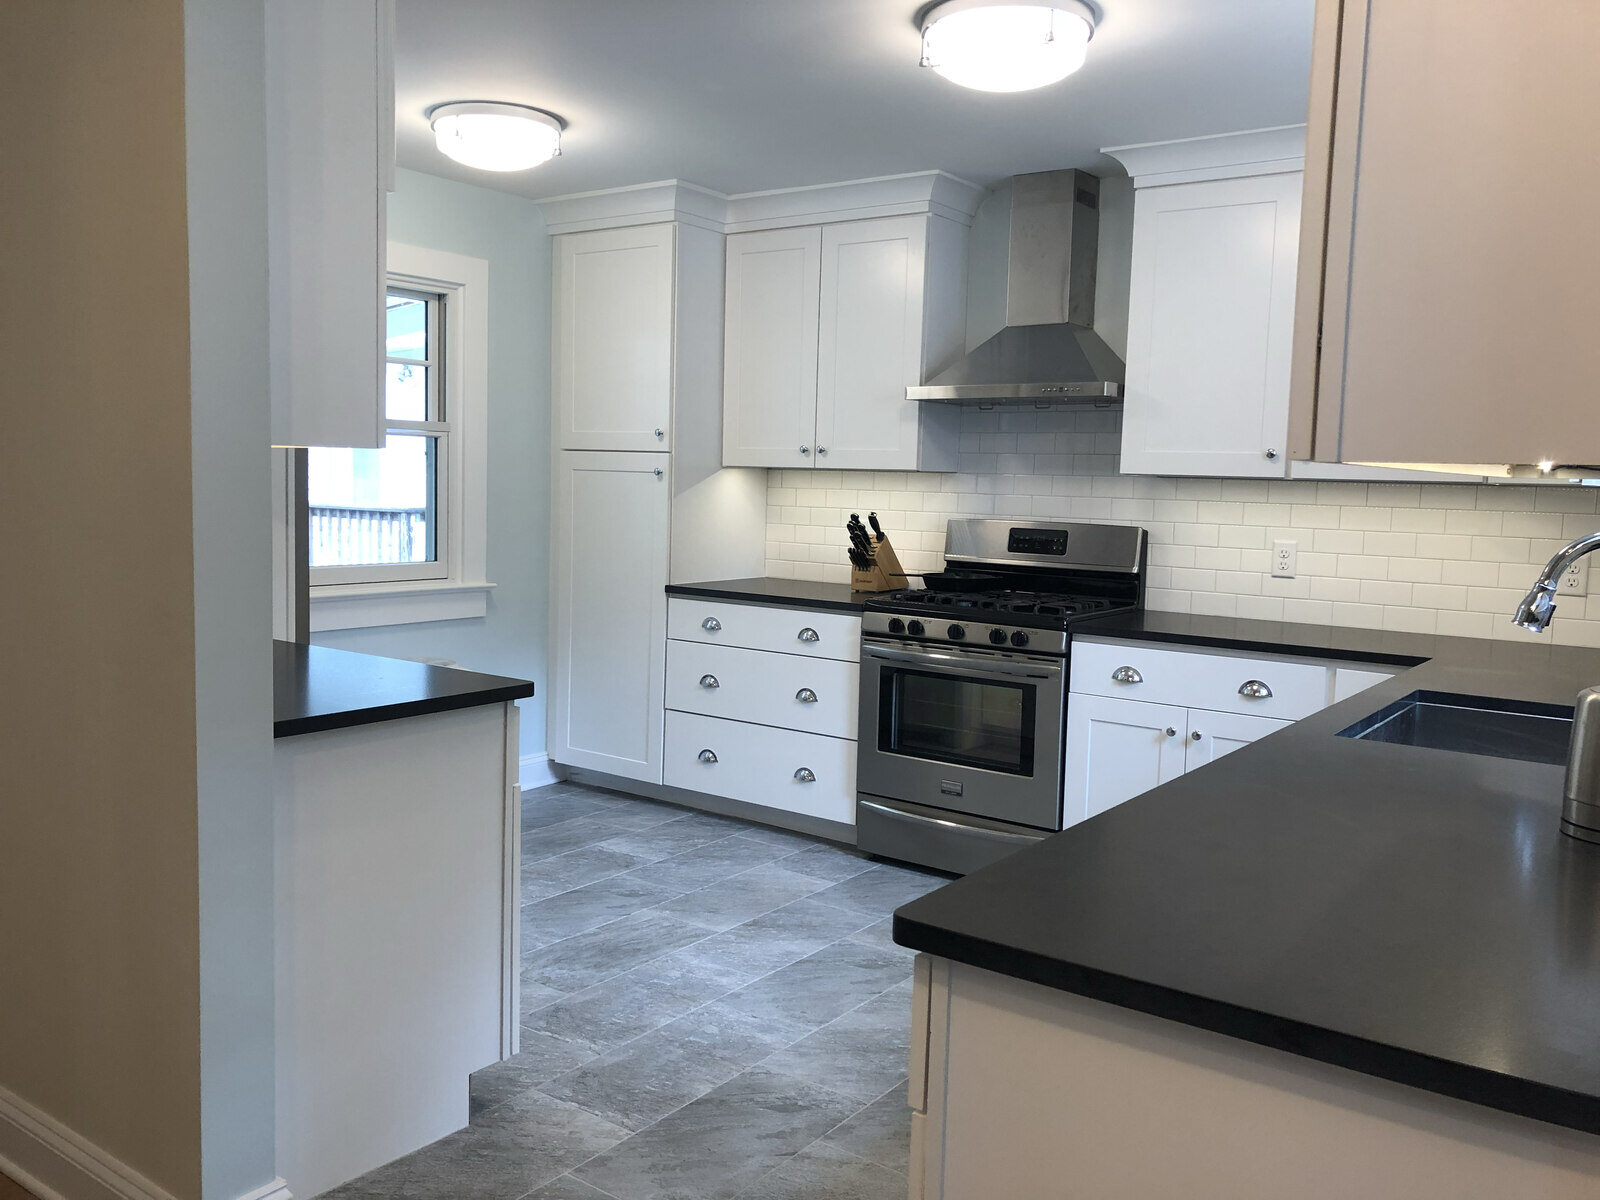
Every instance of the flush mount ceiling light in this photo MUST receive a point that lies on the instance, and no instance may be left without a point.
(496, 137)
(996, 46)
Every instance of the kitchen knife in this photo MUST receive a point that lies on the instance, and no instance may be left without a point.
(859, 560)
(854, 525)
(876, 528)
(860, 541)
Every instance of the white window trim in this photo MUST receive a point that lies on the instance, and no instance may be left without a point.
(464, 592)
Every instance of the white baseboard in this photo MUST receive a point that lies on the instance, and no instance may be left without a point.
(276, 1190)
(57, 1163)
(536, 771)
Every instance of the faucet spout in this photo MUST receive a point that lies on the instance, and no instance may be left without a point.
(1538, 607)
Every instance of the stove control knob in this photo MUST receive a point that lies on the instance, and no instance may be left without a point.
(915, 629)
(896, 625)
(1019, 638)
(956, 633)
(997, 636)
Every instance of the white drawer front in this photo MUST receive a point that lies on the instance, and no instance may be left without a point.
(792, 691)
(762, 627)
(1287, 690)
(761, 765)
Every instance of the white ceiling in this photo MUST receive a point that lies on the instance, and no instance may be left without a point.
(746, 95)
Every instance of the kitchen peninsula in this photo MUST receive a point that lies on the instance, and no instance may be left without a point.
(397, 848)
(1320, 966)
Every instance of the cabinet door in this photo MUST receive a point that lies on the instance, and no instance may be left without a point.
(1117, 749)
(1451, 300)
(613, 339)
(1210, 327)
(330, 146)
(1214, 734)
(870, 347)
(769, 387)
(609, 612)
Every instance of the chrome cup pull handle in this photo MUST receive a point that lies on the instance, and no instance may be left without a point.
(806, 775)
(711, 625)
(1126, 675)
(809, 634)
(806, 696)
(707, 756)
(709, 681)
(1254, 689)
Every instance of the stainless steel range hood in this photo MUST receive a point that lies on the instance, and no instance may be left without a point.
(1048, 351)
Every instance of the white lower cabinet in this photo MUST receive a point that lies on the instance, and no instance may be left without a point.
(1214, 734)
(1118, 749)
(800, 773)
(788, 691)
(609, 611)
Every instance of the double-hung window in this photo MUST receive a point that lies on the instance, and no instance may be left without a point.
(382, 516)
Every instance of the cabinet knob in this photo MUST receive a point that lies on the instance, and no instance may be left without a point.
(709, 681)
(806, 696)
(1254, 689)
(658, 472)
(660, 433)
(822, 449)
(707, 756)
(1171, 732)
(711, 625)
(805, 449)
(1272, 454)
(1126, 675)
(805, 775)
(1195, 736)
(809, 634)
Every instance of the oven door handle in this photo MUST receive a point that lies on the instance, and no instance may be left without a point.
(966, 663)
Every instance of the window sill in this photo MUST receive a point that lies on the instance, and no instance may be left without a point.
(366, 605)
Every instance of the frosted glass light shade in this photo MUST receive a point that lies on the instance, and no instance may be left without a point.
(1001, 47)
(496, 137)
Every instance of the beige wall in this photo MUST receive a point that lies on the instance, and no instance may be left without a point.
(98, 899)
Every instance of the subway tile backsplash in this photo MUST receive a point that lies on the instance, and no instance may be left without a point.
(1423, 557)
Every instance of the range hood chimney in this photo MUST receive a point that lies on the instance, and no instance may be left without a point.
(1047, 352)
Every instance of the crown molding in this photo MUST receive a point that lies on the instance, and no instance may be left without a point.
(936, 192)
(1279, 149)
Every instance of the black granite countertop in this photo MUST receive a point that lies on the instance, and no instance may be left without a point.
(1414, 914)
(315, 689)
(787, 593)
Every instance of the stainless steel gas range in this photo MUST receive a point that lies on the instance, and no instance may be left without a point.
(964, 687)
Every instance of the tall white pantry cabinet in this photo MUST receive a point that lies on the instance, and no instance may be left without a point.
(639, 496)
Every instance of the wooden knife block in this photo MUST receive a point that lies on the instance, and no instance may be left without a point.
(886, 574)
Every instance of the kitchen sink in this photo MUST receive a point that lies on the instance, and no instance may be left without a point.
(1471, 725)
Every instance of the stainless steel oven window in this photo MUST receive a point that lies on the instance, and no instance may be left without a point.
(963, 721)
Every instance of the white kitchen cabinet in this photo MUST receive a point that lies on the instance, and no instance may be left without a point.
(826, 327)
(612, 370)
(609, 611)
(1118, 749)
(787, 691)
(1251, 685)
(329, 109)
(770, 352)
(777, 628)
(1210, 327)
(1446, 317)
(1214, 734)
(1351, 681)
(799, 773)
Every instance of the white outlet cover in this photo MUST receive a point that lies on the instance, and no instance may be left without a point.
(1575, 579)
(1285, 559)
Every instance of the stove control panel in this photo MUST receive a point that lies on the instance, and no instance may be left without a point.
(986, 638)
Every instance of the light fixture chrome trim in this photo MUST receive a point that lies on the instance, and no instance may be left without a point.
(496, 108)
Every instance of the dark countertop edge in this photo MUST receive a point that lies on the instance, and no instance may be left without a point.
(739, 591)
(322, 722)
(1256, 644)
(1345, 643)
(1506, 1093)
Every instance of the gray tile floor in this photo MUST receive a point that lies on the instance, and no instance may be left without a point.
(711, 1010)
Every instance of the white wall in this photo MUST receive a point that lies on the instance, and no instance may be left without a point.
(1431, 558)
(511, 639)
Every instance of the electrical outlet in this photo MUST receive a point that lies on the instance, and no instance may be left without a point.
(1575, 579)
(1285, 559)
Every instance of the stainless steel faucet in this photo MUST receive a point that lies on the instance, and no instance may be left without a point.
(1580, 811)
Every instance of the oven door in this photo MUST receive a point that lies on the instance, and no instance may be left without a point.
(968, 731)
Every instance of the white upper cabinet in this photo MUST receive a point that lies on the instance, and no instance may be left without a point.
(1454, 320)
(770, 349)
(1210, 327)
(330, 164)
(826, 328)
(1216, 226)
(613, 341)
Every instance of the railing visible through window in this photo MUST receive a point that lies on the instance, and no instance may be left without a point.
(369, 535)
